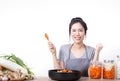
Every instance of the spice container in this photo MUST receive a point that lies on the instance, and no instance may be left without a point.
(95, 70)
(109, 69)
(118, 67)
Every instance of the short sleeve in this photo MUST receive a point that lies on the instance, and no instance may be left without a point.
(61, 56)
(64, 52)
(91, 52)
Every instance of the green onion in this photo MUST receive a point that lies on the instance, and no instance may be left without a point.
(17, 60)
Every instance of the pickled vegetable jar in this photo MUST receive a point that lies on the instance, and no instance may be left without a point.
(95, 70)
(109, 69)
(118, 67)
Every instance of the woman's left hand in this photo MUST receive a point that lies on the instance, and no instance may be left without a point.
(99, 47)
(97, 51)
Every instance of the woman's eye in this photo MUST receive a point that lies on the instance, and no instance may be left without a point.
(73, 30)
(80, 30)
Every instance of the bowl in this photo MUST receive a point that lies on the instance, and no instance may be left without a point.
(64, 75)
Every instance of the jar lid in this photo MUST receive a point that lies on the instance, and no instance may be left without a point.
(96, 63)
(108, 61)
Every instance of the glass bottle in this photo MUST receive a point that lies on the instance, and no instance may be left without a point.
(95, 70)
(118, 67)
(109, 69)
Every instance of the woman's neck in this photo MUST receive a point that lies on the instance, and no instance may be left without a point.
(78, 49)
(78, 45)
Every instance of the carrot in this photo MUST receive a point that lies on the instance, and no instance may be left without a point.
(46, 36)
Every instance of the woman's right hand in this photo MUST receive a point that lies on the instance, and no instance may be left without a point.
(52, 48)
(57, 63)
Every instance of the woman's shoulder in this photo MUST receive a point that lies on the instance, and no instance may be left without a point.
(64, 50)
(90, 47)
(65, 46)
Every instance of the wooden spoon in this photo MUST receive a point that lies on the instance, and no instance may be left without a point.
(46, 36)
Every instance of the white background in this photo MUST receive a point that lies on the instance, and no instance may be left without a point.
(24, 22)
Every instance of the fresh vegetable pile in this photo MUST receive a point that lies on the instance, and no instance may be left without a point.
(13, 66)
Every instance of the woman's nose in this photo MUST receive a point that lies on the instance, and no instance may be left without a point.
(77, 32)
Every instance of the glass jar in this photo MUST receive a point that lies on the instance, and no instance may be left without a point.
(95, 70)
(109, 69)
(118, 67)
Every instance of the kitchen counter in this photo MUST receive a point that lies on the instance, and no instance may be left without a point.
(81, 79)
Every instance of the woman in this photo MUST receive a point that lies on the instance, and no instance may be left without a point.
(76, 56)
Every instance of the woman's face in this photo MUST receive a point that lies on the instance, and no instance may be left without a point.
(77, 32)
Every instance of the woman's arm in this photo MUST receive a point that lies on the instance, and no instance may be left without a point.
(97, 51)
(57, 63)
